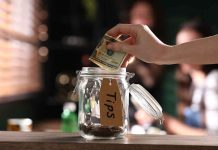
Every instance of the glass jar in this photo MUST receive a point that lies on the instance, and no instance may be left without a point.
(19, 124)
(102, 117)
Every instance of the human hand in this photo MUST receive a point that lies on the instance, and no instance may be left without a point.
(141, 43)
(126, 60)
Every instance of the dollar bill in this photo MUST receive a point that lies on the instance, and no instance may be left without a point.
(106, 58)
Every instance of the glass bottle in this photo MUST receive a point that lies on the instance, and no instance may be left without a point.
(69, 120)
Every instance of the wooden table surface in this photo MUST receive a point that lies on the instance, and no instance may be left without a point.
(67, 141)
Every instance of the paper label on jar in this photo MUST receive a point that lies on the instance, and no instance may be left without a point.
(111, 107)
(107, 58)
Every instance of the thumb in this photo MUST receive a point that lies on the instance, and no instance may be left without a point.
(121, 46)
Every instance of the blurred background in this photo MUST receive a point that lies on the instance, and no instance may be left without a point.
(44, 42)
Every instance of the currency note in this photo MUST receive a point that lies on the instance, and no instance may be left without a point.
(106, 58)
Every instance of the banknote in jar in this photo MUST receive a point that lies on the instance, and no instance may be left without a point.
(106, 58)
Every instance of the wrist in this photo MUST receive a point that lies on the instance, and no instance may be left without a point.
(163, 56)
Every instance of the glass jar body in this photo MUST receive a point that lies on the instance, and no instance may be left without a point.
(89, 85)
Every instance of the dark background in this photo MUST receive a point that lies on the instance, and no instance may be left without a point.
(69, 18)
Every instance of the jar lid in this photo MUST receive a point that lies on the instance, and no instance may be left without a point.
(146, 101)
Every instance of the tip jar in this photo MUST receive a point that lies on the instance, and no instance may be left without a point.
(104, 101)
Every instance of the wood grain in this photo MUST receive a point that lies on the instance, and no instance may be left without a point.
(67, 141)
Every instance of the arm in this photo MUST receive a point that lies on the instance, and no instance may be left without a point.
(174, 126)
(201, 51)
(146, 46)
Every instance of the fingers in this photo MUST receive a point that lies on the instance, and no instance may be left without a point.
(120, 46)
(126, 60)
(126, 29)
(125, 45)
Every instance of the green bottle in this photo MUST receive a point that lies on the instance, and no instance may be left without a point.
(69, 118)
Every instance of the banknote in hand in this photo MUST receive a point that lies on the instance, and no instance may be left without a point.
(106, 58)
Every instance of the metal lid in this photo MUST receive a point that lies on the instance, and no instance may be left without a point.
(146, 101)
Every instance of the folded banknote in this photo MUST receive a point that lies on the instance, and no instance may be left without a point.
(106, 58)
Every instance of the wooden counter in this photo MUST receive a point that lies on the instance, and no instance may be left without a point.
(65, 141)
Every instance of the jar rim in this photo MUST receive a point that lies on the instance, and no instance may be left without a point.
(99, 71)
